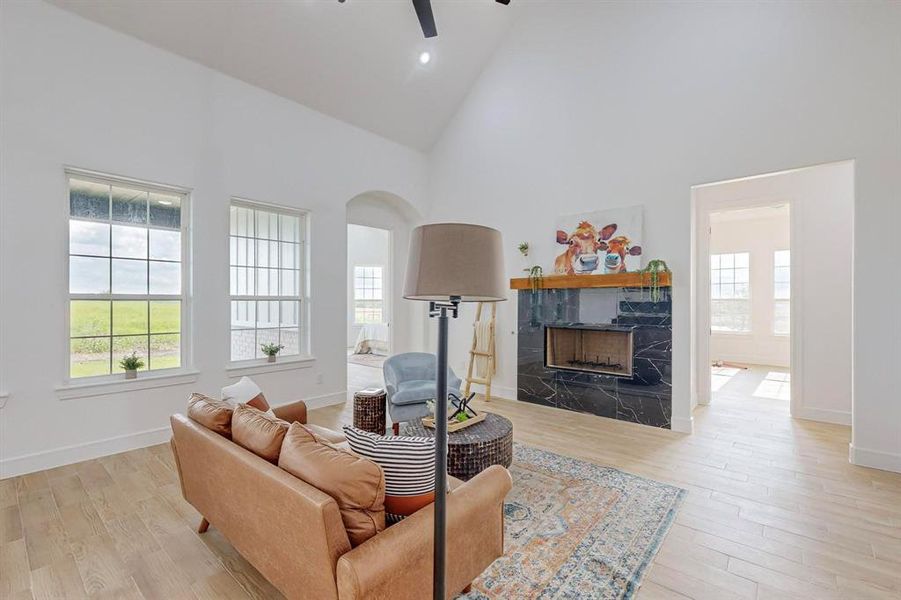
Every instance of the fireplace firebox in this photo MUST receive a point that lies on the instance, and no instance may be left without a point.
(603, 349)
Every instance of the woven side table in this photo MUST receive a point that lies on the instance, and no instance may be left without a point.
(473, 449)
(369, 410)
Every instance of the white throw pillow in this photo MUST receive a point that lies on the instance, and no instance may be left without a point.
(245, 392)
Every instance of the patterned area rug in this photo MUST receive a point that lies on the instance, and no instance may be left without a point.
(574, 529)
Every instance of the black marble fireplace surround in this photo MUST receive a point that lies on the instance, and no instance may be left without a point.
(645, 397)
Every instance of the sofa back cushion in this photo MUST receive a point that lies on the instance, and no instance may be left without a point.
(215, 415)
(259, 432)
(357, 484)
(409, 466)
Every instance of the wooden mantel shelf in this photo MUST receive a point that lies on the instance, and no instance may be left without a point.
(616, 280)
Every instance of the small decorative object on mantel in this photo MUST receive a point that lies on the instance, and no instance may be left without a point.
(271, 351)
(653, 269)
(523, 248)
(463, 416)
(536, 274)
(131, 364)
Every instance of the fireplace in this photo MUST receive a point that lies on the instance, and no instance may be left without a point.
(602, 349)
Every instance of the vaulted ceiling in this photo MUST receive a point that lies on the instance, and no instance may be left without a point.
(355, 60)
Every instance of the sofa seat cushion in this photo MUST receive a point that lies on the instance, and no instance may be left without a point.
(414, 391)
(213, 414)
(357, 484)
(259, 432)
(409, 466)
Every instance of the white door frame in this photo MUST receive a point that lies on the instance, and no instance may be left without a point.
(701, 209)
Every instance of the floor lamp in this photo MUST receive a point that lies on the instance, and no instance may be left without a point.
(450, 263)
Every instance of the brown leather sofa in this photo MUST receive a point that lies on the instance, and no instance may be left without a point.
(293, 533)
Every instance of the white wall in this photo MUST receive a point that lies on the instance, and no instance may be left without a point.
(760, 237)
(822, 215)
(589, 105)
(367, 247)
(75, 93)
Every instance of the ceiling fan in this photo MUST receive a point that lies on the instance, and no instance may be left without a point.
(427, 19)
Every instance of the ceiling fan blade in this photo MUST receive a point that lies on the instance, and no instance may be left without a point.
(504, 2)
(426, 18)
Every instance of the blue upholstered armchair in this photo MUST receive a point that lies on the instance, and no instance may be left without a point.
(410, 383)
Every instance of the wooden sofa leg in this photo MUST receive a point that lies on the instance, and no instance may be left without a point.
(467, 589)
(204, 525)
(395, 427)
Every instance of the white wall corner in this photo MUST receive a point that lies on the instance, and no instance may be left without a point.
(875, 459)
(682, 424)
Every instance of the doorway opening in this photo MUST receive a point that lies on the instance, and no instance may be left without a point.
(772, 293)
(369, 306)
(750, 305)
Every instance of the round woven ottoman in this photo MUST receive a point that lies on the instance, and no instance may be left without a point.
(369, 410)
(473, 449)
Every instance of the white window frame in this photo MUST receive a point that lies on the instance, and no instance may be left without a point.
(304, 357)
(381, 301)
(776, 299)
(747, 298)
(187, 355)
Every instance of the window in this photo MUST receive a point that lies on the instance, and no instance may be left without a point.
(367, 295)
(782, 292)
(730, 293)
(126, 282)
(266, 258)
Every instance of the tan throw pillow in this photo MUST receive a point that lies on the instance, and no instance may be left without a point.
(357, 484)
(259, 432)
(215, 415)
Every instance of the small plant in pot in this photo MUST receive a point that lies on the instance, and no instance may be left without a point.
(131, 364)
(271, 351)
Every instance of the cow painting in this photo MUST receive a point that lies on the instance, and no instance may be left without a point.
(586, 248)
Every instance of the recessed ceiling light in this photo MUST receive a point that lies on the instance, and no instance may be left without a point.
(424, 58)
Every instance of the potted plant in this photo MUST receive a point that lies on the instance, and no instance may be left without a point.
(653, 269)
(523, 248)
(271, 351)
(536, 274)
(131, 364)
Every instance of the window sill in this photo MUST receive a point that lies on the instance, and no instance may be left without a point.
(732, 333)
(89, 389)
(258, 366)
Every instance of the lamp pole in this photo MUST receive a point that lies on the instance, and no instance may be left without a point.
(441, 310)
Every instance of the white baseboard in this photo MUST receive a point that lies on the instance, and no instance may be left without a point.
(824, 415)
(325, 400)
(876, 459)
(682, 424)
(66, 455)
(57, 457)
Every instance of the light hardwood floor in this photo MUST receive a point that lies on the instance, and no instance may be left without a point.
(774, 510)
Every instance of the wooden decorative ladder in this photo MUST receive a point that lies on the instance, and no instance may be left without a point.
(475, 354)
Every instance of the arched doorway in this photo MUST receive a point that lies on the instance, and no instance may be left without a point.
(379, 322)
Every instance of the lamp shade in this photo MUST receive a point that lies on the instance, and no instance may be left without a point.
(455, 260)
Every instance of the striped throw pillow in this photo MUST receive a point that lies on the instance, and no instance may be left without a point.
(408, 464)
